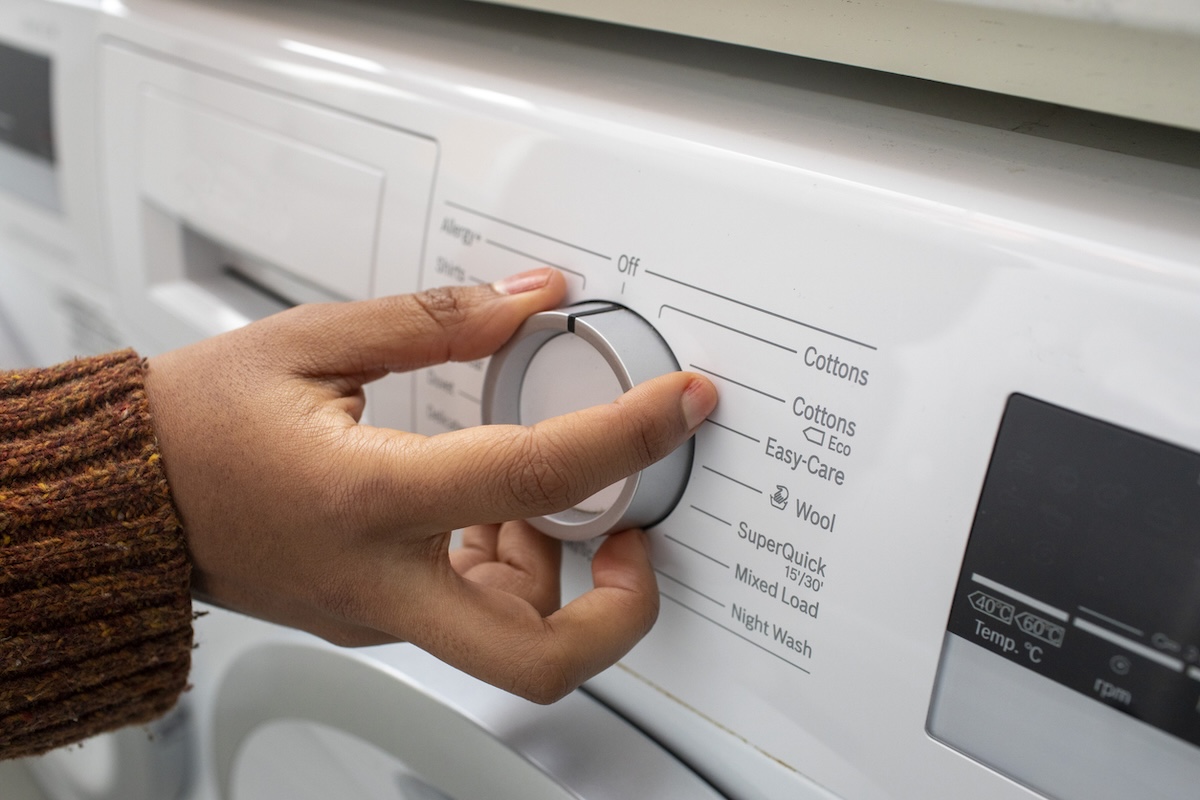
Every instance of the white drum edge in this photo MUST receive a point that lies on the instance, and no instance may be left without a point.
(413, 707)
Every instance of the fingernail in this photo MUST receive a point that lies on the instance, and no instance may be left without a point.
(698, 401)
(523, 282)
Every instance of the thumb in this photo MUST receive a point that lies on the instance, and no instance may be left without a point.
(502, 639)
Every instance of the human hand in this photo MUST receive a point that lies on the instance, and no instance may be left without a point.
(297, 513)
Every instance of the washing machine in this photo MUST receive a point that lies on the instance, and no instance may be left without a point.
(56, 290)
(939, 538)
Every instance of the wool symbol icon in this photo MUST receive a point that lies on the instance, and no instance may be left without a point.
(780, 498)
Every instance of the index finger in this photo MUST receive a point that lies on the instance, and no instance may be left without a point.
(501, 472)
(404, 332)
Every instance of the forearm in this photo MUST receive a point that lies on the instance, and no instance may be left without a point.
(95, 611)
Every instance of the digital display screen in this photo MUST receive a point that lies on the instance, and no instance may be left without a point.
(27, 156)
(1083, 563)
(25, 119)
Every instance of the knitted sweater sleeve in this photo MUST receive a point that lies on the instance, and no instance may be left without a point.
(95, 610)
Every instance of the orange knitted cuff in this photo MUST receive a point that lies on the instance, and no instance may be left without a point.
(95, 610)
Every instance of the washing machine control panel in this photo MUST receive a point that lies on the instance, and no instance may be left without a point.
(566, 360)
(756, 525)
(808, 559)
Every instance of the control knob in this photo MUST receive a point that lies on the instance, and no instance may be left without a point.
(571, 358)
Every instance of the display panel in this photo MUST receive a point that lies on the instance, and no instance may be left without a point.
(27, 155)
(25, 102)
(1084, 563)
(1071, 660)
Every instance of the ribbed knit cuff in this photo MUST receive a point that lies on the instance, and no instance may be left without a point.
(95, 610)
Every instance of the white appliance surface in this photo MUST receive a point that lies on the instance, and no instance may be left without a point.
(18, 784)
(876, 271)
(1136, 58)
